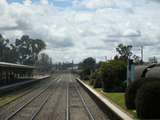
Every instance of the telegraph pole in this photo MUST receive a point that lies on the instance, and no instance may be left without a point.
(105, 57)
(142, 54)
(72, 64)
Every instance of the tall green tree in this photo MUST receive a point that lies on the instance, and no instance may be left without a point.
(124, 51)
(89, 63)
(113, 75)
(5, 50)
(44, 63)
(88, 66)
(28, 49)
(136, 59)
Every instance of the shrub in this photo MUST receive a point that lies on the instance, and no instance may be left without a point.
(148, 101)
(131, 92)
(91, 81)
(84, 75)
(92, 77)
(95, 79)
(87, 67)
(113, 75)
(97, 82)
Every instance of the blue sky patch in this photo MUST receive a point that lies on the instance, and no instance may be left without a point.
(58, 3)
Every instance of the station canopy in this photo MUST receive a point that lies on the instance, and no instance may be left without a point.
(12, 65)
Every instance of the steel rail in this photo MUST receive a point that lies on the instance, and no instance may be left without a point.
(43, 103)
(22, 95)
(24, 105)
(58, 100)
(67, 110)
(84, 104)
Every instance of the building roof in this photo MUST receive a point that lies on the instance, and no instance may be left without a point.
(12, 65)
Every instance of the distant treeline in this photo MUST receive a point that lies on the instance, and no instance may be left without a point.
(110, 74)
(25, 50)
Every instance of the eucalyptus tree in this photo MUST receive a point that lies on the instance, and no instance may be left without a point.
(124, 51)
(4, 49)
(44, 63)
(87, 67)
(28, 49)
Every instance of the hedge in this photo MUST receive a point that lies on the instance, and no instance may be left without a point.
(148, 101)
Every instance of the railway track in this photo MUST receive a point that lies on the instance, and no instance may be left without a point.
(33, 106)
(76, 106)
(26, 90)
(56, 107)
(62, 99)
(52, 109)
(59, 108)
(95, 109)
(13, 108)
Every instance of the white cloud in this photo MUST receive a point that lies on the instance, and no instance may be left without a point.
(94, 29)
(44, 1)
(99, 3)
(27, 2)
(116, 4)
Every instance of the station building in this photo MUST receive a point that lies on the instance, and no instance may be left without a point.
(10, 72)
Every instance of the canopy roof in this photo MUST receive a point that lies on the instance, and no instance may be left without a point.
(12, 65)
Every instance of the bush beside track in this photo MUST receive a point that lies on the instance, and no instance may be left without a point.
(130, 94)
(144, 96)
(148, 101)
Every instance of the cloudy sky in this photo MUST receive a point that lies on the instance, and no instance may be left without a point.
(76, 29)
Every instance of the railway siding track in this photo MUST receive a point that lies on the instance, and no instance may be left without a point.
(92, 109)
(33, 103)
(111, 110)
(85, 105)
(14, 106)
(61, 99)
(49, 110)
(31, 108)
(19, 94)
(96, 110)
(78, 109)
(59, 108)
